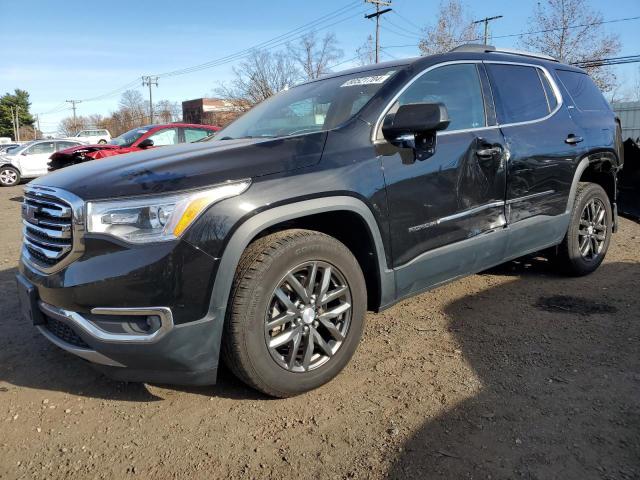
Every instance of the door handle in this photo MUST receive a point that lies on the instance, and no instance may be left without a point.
(573, 139)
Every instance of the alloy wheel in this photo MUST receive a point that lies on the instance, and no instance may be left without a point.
(308, 316)
(592, 231)
(8, 176)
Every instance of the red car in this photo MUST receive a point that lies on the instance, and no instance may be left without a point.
(137, 139)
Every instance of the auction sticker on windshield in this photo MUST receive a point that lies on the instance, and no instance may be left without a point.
(373, 79)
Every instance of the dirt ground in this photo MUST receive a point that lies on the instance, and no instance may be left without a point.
(513, 373)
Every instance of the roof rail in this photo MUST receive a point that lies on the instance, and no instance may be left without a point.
(480, 48)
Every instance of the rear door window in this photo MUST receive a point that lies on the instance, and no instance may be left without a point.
(195, 134)
(583, 91)
(65, 145)
(519, 93)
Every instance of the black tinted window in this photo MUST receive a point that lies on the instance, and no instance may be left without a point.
(458, 87)
(583, 91)
(519, 93)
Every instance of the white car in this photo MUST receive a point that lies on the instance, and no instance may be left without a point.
(30, 160)
(92, 136)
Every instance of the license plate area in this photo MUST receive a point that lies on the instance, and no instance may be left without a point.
(28, 297)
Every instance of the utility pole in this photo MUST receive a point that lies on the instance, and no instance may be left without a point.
(73, 106)
(37, 131)
(486, 21)
(17, 124)
(13, 124)
(148, 81)
(379, 12)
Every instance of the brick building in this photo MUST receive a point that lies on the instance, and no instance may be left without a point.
(209, 111)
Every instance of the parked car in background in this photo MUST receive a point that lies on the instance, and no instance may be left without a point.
(99, 136)
(29, 160)
(132, 141)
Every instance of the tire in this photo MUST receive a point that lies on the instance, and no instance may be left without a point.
(261, 289)
(9, 176)
(102, 142)
(587, 240)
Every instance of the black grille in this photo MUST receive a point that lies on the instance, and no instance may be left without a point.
(64, 332)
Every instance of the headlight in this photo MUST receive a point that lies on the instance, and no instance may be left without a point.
(156, 218)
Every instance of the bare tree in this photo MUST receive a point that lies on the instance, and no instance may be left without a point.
(366, 53)
(133, 102)
(132, 113)
(67, 127)
(571, 31)
(315, 55)
(261, 75)
(453, 27)
(166, 111)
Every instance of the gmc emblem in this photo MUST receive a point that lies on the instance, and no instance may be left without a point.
(29, 213)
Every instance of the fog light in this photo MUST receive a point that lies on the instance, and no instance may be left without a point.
(154, 323)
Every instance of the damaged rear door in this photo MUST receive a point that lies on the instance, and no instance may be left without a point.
(459, 192)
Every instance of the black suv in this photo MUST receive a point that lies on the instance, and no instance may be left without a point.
(266, 245)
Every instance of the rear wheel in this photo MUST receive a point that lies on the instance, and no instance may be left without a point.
(587, 240)
(102, 142)
(9, 176)
(295, 314)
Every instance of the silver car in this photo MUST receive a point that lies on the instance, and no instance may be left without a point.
(29, 160)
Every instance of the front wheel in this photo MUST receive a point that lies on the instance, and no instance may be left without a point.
(587, 240)
(102, 142)
(9, 176)
(296, 312)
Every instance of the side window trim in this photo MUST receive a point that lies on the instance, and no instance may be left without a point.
(377, 139)
(552, 83)
(491, 118)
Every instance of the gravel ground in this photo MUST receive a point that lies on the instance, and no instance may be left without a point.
(513, 373)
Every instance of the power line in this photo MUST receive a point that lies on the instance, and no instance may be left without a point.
(280, 40)
(602, 62)
(407, 20)
(268, 44)
(403, 28)
(523, 34)
(395, 32)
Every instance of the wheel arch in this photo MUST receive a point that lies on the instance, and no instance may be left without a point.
(600, 168)
(314, 215)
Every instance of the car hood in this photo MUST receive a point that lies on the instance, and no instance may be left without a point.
(187, 166)
(104, 146)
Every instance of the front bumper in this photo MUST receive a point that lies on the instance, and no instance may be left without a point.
(101, 298)
(179, 354)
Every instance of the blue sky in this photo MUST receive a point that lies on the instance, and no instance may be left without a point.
(79, 49)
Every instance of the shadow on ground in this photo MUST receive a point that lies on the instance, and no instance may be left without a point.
(28, 360)
(561, 382)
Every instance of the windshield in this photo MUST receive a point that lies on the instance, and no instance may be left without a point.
(311, 107)
(127, 138)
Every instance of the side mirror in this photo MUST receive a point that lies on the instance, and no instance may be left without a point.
(415, 119)
(146, 143)
(414, 126)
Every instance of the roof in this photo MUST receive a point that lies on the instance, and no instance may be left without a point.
(462, 52)
(177, 124)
